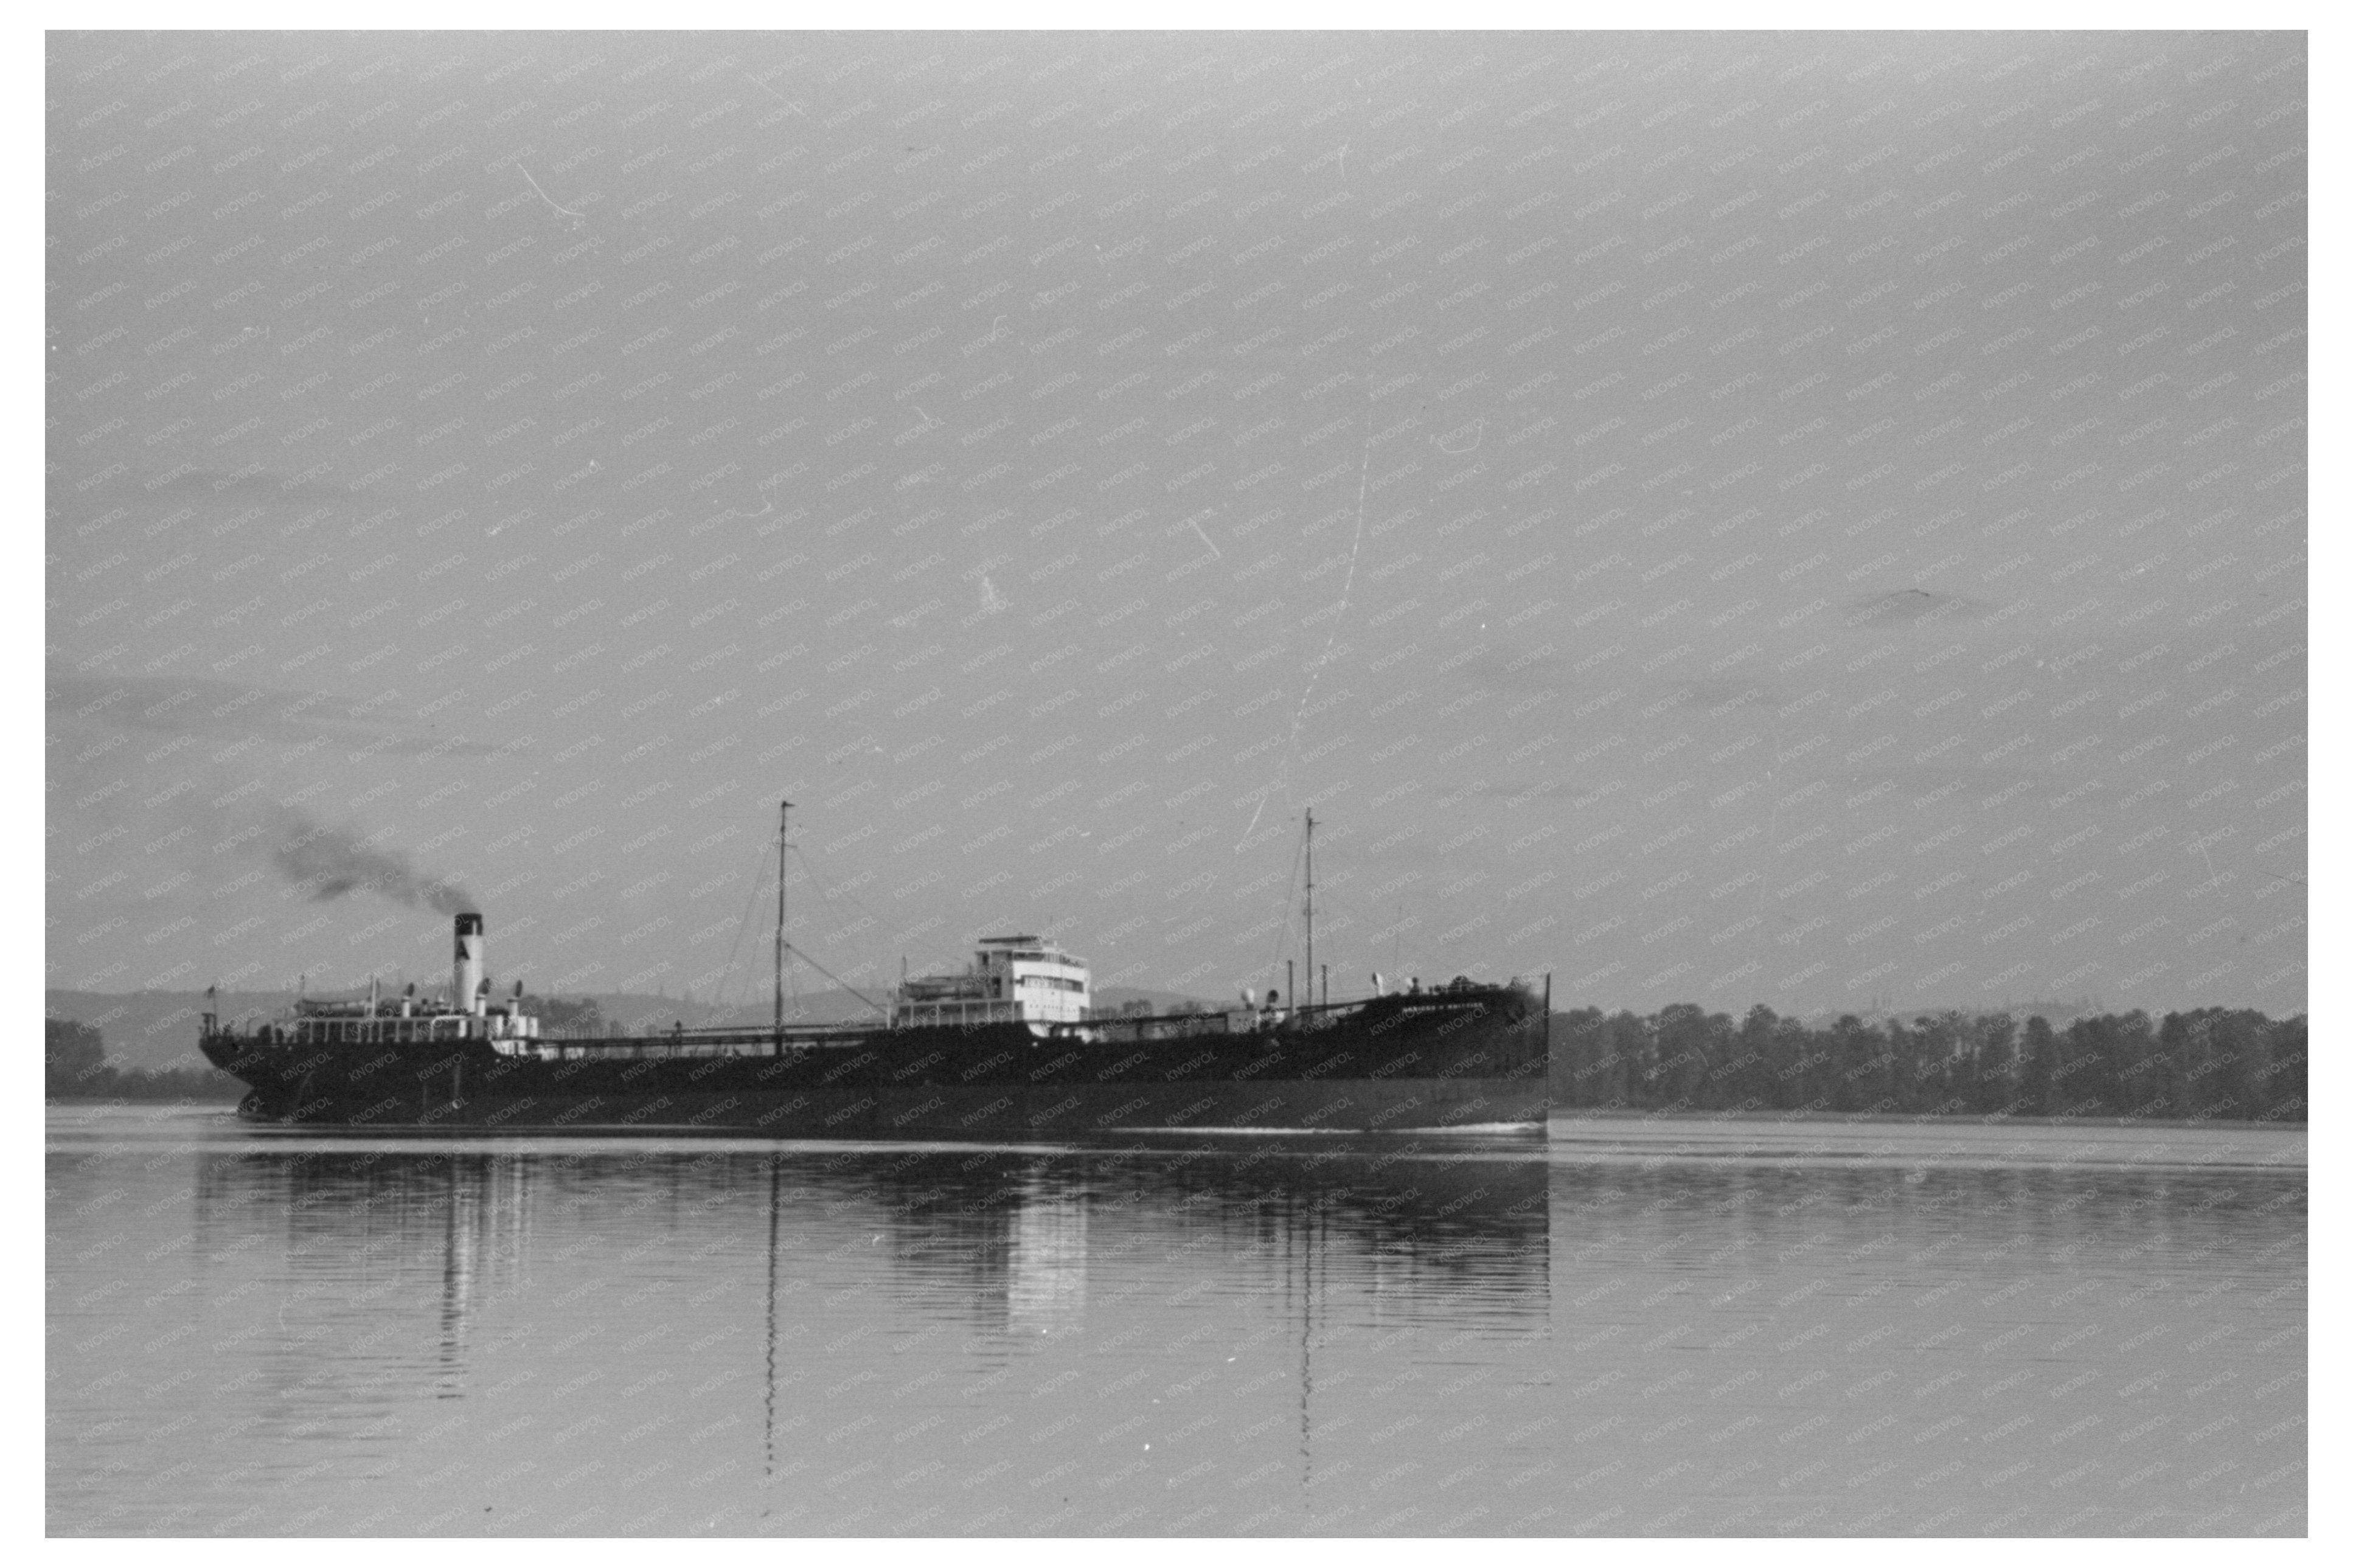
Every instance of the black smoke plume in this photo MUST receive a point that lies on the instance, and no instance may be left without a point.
(332, 863)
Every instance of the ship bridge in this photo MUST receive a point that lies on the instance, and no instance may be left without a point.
(1011, 979)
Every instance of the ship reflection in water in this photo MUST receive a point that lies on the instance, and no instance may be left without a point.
(1626, 1328)
(874, 1339)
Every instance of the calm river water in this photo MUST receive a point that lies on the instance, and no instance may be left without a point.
(1675, 1327)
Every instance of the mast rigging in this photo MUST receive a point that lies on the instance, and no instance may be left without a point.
(784, 812)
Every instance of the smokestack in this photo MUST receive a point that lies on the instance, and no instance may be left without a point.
(467, 978)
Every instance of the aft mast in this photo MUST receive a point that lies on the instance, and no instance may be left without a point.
(784, 812)
(1311, 906)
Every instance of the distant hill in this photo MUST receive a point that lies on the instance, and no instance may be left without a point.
(149, 1031)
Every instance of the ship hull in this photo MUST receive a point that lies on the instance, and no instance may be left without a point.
(1475, 1060)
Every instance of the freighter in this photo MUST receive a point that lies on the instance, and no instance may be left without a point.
(1012, 1046)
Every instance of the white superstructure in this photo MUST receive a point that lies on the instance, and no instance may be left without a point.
(1011, 979)
(410, 1019)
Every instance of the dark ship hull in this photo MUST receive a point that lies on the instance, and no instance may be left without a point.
(1465, 1056)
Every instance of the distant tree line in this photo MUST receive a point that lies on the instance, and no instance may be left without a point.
(2210, 1063)
(74, 1067)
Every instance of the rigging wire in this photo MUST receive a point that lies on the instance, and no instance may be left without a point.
(943, 956)
(830, 892)
(1421, 955)
(838, 980)
(1283, 934)
(759, 882)
(1348, 586)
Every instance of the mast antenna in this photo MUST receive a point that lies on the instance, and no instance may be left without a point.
(784, 812)
(1311, 900)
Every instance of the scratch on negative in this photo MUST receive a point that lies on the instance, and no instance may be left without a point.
(1315, 670)
(550, 201)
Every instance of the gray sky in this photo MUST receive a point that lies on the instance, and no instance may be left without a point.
(1725, 518)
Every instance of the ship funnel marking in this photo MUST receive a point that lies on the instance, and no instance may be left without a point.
(466, 977)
